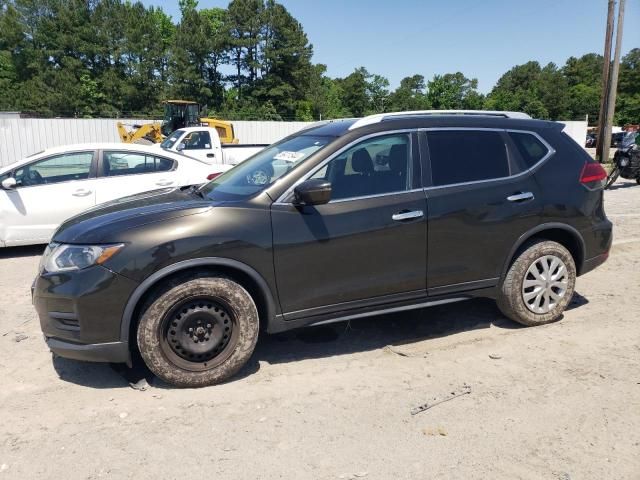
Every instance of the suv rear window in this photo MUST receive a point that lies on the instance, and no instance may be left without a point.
(459, 156)
(531, 149)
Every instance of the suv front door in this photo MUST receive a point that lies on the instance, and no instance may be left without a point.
(367, 245)
(481, 200)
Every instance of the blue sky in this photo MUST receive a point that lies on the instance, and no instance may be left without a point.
(482, 39)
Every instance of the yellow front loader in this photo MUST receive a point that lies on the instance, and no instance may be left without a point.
(146, 133)
(177, 114)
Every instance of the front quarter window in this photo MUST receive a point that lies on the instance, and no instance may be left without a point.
(264, 168)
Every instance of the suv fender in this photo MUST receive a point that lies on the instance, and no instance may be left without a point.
(575, 234)
(156, 277)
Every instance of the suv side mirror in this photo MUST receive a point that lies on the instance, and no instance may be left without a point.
(9, 183)
(316, 191)
(181, 146)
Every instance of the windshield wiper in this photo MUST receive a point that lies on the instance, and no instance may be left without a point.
(195, 189)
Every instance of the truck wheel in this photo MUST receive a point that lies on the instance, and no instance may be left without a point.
(198, 332)
(539, 284)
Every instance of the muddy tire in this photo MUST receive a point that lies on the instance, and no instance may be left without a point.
(199, 331)
(539, 284)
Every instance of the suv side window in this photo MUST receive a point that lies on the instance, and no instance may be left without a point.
(129, 163)
(531, 149)
(60, 168)
(375, 166)
(459, 156)
(200, 140)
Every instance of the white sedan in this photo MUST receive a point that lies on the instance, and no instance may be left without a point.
(38, 193)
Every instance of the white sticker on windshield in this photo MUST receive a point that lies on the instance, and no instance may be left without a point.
(289, 156)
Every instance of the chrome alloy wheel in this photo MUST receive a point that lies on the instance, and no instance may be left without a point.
(545, 284)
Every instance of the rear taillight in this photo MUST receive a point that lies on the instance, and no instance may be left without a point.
(211, 176)
(592, 172)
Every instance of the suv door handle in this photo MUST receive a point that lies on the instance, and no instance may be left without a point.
(81, 192)
(407, 215)
(211, 155)
(164, 183)
(520, 197)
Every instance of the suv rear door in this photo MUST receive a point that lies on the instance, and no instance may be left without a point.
(481, 198)
(368, 244)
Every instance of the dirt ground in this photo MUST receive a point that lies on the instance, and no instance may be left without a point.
(560, 401)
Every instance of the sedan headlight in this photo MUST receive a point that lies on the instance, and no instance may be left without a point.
(64, 257)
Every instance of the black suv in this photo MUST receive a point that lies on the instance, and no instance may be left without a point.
(346, 219)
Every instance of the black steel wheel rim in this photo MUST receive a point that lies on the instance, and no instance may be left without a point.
(199, 333)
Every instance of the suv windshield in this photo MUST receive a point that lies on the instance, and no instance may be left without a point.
(171, 139)
(264, 168)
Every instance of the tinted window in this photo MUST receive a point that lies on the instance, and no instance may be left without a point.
(128, 163)
(200, 140)
(466, 156)
(530, 147)
(61, 168)
(375, 166)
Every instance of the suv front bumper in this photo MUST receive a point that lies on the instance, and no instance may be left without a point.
(114, 352)
(81, 313)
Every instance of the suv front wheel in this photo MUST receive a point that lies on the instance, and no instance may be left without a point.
(539, 284)
(199, 331)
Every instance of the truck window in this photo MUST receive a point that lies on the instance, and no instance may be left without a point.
(199, 140)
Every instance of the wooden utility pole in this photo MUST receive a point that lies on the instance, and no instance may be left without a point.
(608, 37)
(613, 84)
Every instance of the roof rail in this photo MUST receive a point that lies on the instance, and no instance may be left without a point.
(371, 119)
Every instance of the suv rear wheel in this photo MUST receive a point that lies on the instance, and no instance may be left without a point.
(539, 284)
(199, 331)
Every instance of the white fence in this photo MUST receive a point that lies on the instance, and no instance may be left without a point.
(21, 137)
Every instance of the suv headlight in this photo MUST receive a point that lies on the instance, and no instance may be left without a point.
(64, 257)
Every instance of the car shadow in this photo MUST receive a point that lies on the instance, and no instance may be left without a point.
(617, 186)
(25, 251)
(400, 330)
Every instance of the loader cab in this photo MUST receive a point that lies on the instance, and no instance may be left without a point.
(180, 114)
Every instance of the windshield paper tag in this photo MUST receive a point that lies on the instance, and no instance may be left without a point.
(289, 156)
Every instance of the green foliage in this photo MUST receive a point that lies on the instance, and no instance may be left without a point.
(454, 91)
(251, 60)
(410, 95)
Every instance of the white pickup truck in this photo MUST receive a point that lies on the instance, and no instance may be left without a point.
(203, 143)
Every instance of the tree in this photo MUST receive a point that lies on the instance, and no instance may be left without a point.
(286, 70)
(628, 101)
(363, 93)
(540, 92)
(454, 91)
(325, 95)
(245, 19)
(354, 92)
(251, 60)
(584, 80)
(410, 95)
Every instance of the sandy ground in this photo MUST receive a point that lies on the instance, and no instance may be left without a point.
(555, 402)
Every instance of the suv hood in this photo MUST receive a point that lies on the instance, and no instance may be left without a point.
(99, 224)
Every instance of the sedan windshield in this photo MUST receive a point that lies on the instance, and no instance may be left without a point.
(264, 168)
